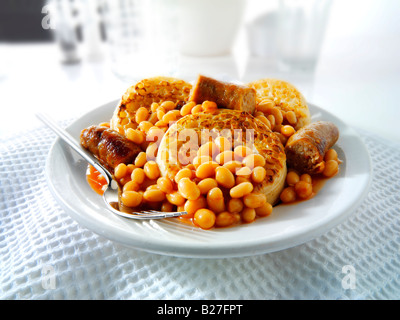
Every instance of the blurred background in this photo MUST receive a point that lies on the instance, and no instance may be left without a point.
(66, 57)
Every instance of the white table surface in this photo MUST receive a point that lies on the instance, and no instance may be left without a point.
(357, 79)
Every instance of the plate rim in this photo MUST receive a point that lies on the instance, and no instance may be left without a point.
(201, 251)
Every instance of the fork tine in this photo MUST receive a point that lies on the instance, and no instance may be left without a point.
(167, 214)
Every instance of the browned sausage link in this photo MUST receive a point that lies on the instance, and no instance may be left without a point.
(225, 95)
(110, 147)
(305, 150)
(91, 137)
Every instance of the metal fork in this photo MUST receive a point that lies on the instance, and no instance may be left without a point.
(110, 194)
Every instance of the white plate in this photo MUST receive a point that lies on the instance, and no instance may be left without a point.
(288, 226)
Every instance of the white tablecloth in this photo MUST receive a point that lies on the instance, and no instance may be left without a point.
(44, 254)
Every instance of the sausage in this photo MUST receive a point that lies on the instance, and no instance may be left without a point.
(109, 146)
(305, 150)
(225, 95)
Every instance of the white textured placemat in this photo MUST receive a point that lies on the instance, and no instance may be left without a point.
(44, 254)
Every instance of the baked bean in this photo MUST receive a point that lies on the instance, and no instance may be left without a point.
(154, 106)
(191, 206)
(138, 175)
(254, 200)
(154, 134)
(160, 113)
(223, 144)
(240, 179)
(224, 157)
(235, 205)
(209, 106)
(258, 174)
(145, 126)
(151, 151)
(215, 200)
(152, 186)
(204, 218)
(141, 114)
(224, 177)
(153, 118)
(170, 116)
(291, 117)
(215, 194)
(241, 190)
(208, 149)
(271, 120)
(151, 170)
(120, 171)
(225, 219)
(124, 180)
(199, 160)
(303, 189)
(154, 195)
(306, 177)
(135, 135)
(331, 154)
(244, 172)
(206, 170)
(131, 186)
(182, 208)
(265, 105)
(254, 160)
(188, 189)
(131, 198)
(292, 178)
(187, 108)
(287, 130)
(196, 109)
(265, 210)
(129, 168)
(141, 159)
(167, 206)
(165, 184)
(242, 151)
(265, 120)
(206, 185)
(185, 172)
(277, 113)
(175, 198)
(288, 195)
(161, 124)
(248, 215)
(168, 105)
(331, 168)
(233, 166)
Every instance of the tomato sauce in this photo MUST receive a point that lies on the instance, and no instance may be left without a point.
(318, 181)
(96, 181)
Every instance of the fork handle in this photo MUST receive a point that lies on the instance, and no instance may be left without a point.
(66, 137)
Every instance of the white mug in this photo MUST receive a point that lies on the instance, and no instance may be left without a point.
(209, 27)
